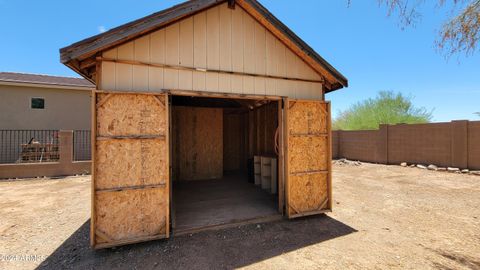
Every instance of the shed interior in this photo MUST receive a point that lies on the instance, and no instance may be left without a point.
(213, 145)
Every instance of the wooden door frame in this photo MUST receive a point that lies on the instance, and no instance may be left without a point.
(285, 102)
(281, 124)
(281, 156)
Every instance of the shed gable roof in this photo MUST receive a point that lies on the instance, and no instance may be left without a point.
(74, 54)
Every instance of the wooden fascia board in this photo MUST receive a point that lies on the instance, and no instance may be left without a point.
(74, 65)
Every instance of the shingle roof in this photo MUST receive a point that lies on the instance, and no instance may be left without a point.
(44, 79)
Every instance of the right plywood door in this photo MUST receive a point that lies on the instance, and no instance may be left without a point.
(308, 157)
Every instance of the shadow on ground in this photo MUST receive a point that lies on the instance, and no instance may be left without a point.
(229, 248)
(463, 260)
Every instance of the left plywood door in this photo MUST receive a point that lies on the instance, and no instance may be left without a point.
(130, 181)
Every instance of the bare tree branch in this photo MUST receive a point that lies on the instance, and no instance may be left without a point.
(461, 34)
(407, 12)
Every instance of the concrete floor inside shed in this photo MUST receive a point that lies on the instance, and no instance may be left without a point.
(201, 204)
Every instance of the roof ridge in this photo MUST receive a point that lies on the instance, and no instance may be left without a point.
(45, 75)
(43, 79)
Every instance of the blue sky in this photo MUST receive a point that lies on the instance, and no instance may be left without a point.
(368, 47)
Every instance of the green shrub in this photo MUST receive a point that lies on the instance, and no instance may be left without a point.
(386, 108)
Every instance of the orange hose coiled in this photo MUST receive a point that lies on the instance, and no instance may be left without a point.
(277, 147)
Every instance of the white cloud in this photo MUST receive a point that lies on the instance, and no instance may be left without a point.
(102, 29)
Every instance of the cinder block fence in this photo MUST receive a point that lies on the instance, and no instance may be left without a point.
(65, 165)
(450, 144)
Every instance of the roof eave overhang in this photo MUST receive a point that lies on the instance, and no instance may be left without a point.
(88, 47)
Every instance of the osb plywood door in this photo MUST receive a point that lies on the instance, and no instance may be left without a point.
(308, 183)
(130, 198)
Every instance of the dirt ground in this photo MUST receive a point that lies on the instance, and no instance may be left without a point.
(384, 217)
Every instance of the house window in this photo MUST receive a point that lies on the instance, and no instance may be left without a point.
(37, 103)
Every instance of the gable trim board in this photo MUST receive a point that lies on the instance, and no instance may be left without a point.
(80, 56)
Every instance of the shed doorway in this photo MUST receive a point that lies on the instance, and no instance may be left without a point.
(218, 149)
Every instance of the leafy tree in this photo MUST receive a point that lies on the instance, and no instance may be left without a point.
(459, 34)
(386, 108)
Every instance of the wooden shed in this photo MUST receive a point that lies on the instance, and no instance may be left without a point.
(206, 114)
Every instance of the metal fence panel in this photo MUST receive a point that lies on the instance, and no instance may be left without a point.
(82, 145)
(11, 142)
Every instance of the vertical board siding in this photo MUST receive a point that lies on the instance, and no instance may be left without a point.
(237, 41)
(172, 55)
(186, 42)
(213, 48)
(108, 76)
(224, 82)
(259, 86)
(292, 70)
(225, 38)
(218, 39)
(124, 72)
(126, 51)
(123, 77)
(248, 44)
(236, 83)
(270, 46)
(280, 58)
(270, 86)
(185, 77)
(157, 55)
(199, 81)
(213, 38)
(200, 50)
(248, 85)
(155, 78)
(141, 49)
(260, 49)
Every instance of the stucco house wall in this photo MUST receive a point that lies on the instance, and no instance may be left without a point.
(65, 109)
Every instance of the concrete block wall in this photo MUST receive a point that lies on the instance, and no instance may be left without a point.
(452, 144)
(473, 144)
(359, 145)
(419, 143)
